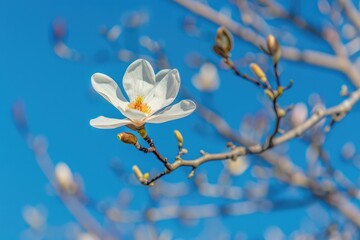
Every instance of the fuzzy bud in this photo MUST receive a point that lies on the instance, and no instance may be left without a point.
(127, 138)
(273, 48)
(269, 93)
(138, 173)
(258, 72)
(280, 112)
(344, 91)
(64, 178)
(280, 90)
(223, 42)
(191, 174)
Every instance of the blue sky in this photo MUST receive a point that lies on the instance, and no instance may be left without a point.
(59, 103)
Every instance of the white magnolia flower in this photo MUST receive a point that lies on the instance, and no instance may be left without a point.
(148, 94)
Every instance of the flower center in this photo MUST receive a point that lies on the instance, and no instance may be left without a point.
(139, 105)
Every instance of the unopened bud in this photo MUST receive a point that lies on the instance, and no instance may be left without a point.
(179, 138)
(138, 172)
(280, 90)
(127, 138)
(64, 178)
(146, 176)
(269, 93)
(184, 151)
(280, 112)
(223, 42)
(273, 48)
(142, 132)
(258, 72)
(191, 174)
(344, 91)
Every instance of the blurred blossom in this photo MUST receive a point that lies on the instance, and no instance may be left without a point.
(314, 99)
(125, 197)
(135, 19)
(324, 6)
(113, 214)
(189, 25)
(299, 114)
(238, 166)
(149, 44)
(145, 231)
(125, 55)
(348, 31)
(166, 235)
(348, 151)
(207, 79)
(64, 178)
(35, 217)
(261, 123)
(194, 60)
(312, 153)
(318, 215)
(225, 11)
(256, 190)
(59, 29)
(260, 172)
(87, 236)
(274, 232)
(114, 33)
(40, 145)
(18, 112)
(62, 50)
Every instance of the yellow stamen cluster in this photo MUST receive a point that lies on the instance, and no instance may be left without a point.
(138, 104)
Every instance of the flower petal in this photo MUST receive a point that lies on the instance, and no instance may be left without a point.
(165, 91)
(134, 115)
(108, 88)
(108, 123)
(179, 110)
(161, 74)
(139, 79)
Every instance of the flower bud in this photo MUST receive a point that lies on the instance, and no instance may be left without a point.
(64, 178)
(273, 48)
(280, 91)
(269, 93)
(138, 173)
(127, 138)
(179, 137)
(223, 42)
(191, 174)
(142, 132)
(258, 72)
(280, 112)
(146, 176)
(344, 91)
